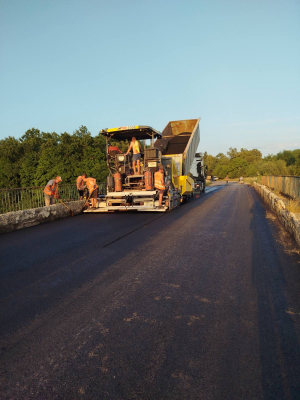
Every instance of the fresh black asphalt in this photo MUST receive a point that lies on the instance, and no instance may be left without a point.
(199, 303)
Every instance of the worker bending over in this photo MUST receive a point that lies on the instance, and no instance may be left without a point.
(113, 150)
(92, 186)
(136, 149)
(159, 183)
(80, 185)
(51, 191)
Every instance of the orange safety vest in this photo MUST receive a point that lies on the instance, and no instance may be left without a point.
(91, 183)
(52, 191)
(114, 148)
(158, 177)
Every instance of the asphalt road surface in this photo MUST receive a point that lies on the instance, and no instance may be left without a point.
(199, 303)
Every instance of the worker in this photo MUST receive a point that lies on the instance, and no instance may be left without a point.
(113, 150)
(159, 183)
(92, 186)
(80, 185)
(226, 179)
(51, 191)
(136, 149)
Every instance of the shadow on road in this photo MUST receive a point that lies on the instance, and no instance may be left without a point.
(29, 288)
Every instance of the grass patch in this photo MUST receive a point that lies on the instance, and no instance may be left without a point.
(249, 180)
(293, 206)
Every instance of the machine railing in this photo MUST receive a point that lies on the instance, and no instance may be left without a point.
(288, 185)
(17, 199)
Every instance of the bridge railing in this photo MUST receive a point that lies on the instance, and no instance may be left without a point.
(288, 185)
(17, 199)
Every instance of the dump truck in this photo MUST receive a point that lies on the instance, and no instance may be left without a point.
(175, 148)
(178, 145)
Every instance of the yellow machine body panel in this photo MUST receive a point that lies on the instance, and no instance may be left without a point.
(186, 184)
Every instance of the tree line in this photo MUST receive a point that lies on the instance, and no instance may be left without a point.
(251, 163)
(37, 157)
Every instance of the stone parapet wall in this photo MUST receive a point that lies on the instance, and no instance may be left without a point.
(23, 219)
(289, 220)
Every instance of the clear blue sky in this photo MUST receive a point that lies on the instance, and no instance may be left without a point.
(100, 63)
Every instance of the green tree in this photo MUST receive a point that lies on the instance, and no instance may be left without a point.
(211, 163)
(295, 168)
(49, 162)
(221, 165)
(275, 167)
(232, 153)
(250, 156)
(287, 156)
(28, 169)
(10, 156)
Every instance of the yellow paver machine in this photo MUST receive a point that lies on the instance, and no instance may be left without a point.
(175, 148)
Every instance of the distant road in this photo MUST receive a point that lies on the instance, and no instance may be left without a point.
(199, 303)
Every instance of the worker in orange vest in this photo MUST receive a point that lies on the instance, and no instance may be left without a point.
(51, 191)
(159, 183)
(113, 149)
(92, 186)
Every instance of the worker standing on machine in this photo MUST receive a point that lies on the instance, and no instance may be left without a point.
(92, 186)
(136, 149)
(51, 191)
(80, 185)
(159, 183)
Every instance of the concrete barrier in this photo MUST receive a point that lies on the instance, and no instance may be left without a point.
(23, 219)
(289, 220)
